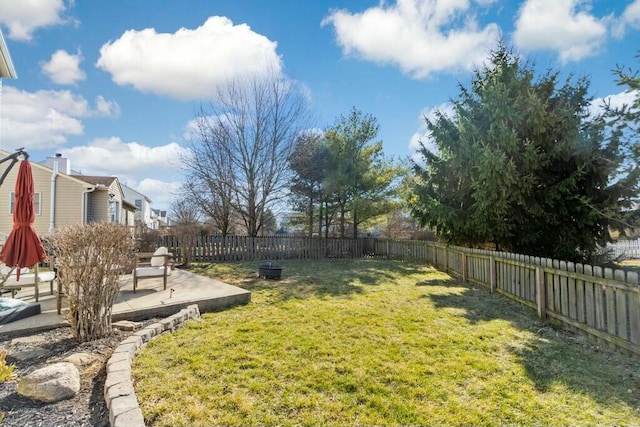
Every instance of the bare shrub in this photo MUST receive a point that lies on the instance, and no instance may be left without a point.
(146, 239)
(90, 259)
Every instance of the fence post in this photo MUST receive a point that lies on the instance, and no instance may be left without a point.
(446, 258)
(541, 297)
(388, 249)
(492, 274)
(465, 271)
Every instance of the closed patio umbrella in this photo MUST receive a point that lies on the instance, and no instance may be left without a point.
(23, 247)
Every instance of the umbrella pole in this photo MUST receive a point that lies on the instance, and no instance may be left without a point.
(14, 159)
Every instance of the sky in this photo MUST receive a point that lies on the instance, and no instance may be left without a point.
(113, 86)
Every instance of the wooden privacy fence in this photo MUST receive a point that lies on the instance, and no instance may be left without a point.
(600, 302)
(245, 248)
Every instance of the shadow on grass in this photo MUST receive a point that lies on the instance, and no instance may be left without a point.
(317, 278)
(553, 356)
(436, 281)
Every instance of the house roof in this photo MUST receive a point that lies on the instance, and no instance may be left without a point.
(131, 206)
(128, 191)
(4, 153)
(6, 65)
(96, 180)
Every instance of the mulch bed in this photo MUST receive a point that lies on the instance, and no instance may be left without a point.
(87, 408)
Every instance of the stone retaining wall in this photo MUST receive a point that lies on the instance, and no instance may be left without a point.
(119, 395)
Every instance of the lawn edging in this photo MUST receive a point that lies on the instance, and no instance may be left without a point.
(124, 410)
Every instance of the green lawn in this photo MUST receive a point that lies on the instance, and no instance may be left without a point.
(377, 342)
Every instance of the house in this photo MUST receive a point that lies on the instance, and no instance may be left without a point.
(159, 219)
(109, 205)
(6, 64)
(65, 198)
(143, 214)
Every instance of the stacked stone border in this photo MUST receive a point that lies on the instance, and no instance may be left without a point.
(119, 395)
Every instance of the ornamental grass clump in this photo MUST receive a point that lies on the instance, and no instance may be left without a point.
(6, 371)
(90, 259)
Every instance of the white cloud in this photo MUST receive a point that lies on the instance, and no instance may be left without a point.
(421, 37)
(562, 26)
(22, 18)
(190, 63)
(162, 193)
(631, 15)
(45, 118)
(64, 68)
(422, 135)
(112, 156)
(615, 101)
(629, 18)
(107, 108)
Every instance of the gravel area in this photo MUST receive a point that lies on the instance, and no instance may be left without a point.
(29, 353)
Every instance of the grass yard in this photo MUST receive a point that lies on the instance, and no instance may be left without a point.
(378, 342)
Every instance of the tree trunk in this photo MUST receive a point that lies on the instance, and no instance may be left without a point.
(310, 217)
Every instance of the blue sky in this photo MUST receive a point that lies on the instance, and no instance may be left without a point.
(113, 85)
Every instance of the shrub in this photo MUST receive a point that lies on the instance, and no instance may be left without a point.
(146, 239)
(6, 371)
(90, 259)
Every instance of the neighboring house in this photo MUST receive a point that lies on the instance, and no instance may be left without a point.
(64, 199)
(159, 219)
(107, 201)
(143, 216)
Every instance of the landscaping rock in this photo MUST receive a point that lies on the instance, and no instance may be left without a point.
(84, 359)
(126, 325)
(52, 383)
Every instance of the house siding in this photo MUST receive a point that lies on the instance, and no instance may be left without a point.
(99, 206)
(74, 203)
(69, 203)
(68, 199)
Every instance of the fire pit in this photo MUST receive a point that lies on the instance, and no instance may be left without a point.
(270, 271)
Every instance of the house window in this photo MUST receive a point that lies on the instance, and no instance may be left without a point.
(138, 203)
(115, 211)
(36, 202)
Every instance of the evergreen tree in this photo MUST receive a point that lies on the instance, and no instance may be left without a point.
(522, 164)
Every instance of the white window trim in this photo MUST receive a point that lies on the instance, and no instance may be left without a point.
(37, 194)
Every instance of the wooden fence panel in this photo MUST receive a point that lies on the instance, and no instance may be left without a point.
(633, 305)
(610, 304)
(590, 298)
(580, 296)
(622, 317)
(599, 301)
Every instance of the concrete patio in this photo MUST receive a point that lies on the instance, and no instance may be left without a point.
(150, 300)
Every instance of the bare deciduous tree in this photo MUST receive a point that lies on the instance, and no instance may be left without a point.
(242, 141)
(186, 226)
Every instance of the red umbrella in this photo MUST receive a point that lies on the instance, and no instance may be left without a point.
(23, 247)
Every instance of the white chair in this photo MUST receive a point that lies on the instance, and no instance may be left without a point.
(156, 264)
(9, 280)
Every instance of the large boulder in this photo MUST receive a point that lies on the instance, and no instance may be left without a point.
(52, 383)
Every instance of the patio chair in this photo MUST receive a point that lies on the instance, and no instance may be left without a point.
(152, 264)
(9, 281)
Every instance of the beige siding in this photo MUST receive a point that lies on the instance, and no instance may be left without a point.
(72, 200)
(99, 205)
(6, 219)
(69, 198)
(69, 202)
